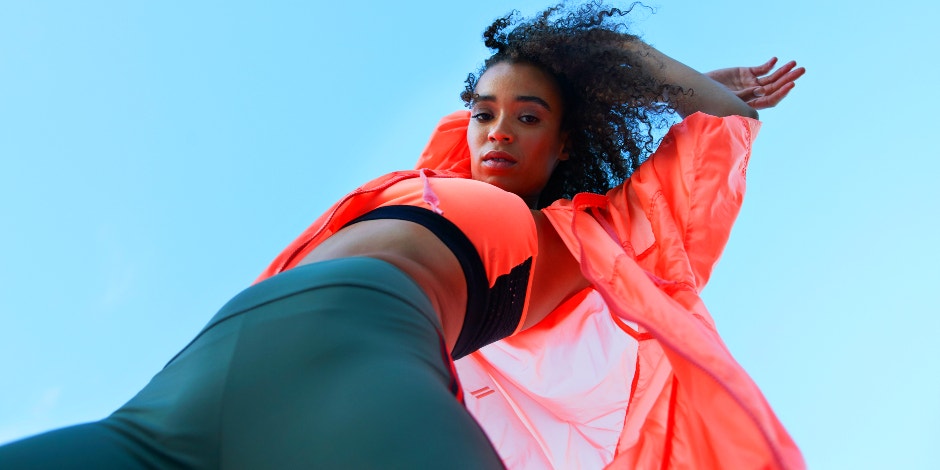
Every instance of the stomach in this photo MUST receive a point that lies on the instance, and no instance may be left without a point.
(416, 251)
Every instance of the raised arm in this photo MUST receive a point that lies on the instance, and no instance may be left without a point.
(757, 86)
(733, 91)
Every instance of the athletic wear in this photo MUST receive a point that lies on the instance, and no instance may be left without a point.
(647, 247)
(586, 388)
(491, 314)
(337, 364)
(299, 371)
(497, 248)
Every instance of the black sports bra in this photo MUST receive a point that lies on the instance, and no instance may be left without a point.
(493, 313)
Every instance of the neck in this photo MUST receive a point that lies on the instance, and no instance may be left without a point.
(532, 201)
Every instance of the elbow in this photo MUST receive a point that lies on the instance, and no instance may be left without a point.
(738, 107)
(742, 110)
(750, 113)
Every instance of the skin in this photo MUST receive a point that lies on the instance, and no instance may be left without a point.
(708, 95)
(515, 134)
(753, 86)
(516, 141)
(423, 257)
(417, 252)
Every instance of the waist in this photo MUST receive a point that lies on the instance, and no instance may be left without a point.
(475, 310)
(417, 252)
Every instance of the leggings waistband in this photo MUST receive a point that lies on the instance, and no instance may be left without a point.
(360, 271)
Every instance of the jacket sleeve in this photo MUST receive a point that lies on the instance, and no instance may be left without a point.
(678, 207)
(447, 148)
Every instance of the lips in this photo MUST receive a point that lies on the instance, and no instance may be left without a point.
(496, 159)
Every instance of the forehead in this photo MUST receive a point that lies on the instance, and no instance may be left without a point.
(507, 80)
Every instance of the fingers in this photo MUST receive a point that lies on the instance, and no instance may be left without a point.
(744, 94)
(763, 68)
(748, 94)
(772, 99)
(793, 75)
(778, 86)
(785, 75)
(777, 73)
(761, 86)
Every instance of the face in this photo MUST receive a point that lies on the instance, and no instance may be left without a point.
(515, 134)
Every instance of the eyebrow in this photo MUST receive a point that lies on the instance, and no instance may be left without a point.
(522, 98)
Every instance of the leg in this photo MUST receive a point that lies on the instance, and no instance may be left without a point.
(348, 377)
(331, 365)
(83, 446)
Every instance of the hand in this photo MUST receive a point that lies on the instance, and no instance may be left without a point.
(755, 87)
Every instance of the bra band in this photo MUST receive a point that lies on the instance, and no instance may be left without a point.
(492, 314)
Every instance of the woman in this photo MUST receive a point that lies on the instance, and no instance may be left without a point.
(340, 359)
(344, 360)
(557, 395)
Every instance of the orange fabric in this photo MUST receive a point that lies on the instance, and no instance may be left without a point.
(555, 395)
(447, 149)
(504, 234)
(631, 374)
(576, 392)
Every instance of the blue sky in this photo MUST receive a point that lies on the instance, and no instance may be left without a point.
(156, 156)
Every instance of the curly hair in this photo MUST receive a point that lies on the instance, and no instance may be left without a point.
(613, 104)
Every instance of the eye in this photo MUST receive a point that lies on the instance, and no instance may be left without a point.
(529, 119)
(481, 116)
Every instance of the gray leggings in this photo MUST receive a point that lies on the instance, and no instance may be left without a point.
(338, 364)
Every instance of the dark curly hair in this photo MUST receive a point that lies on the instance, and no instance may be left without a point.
(613, 104)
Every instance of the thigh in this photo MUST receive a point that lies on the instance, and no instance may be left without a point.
(348, 376)
(338, 365)
(80, 447)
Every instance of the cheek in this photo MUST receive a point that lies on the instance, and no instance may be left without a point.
(551, 155)
(473, 138)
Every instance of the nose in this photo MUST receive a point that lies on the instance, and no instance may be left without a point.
(500, 132)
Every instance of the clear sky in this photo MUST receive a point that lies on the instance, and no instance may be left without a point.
(155, 156)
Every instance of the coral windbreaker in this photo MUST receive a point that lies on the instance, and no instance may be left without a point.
(630, 374)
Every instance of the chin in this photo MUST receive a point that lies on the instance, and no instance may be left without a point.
(501, 182)
(496, 181)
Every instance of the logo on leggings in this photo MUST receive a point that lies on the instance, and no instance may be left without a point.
(482, 392)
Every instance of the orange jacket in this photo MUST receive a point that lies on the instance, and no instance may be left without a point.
(631, 374)
(575, 391)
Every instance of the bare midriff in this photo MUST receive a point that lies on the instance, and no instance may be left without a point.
(420, 254)
(417, 252)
